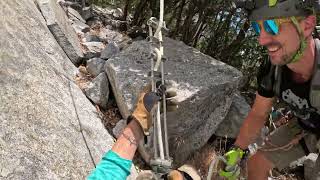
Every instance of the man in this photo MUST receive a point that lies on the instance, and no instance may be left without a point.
(285, 28)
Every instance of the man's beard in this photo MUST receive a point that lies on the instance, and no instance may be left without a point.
(287, 57)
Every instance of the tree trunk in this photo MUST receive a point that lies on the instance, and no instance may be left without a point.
(236, 44)
(154, 8)
(125, 10)
(187, 25)
(179, 18)
(198, 33)
(139, 11)
(173, 14)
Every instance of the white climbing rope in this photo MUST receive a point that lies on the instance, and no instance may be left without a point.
(160, 138)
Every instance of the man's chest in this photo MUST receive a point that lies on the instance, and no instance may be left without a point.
(294, 90)
(296, 96)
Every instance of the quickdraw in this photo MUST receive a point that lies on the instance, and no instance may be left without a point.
(161, 161)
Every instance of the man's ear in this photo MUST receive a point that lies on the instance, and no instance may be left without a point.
(308, 25)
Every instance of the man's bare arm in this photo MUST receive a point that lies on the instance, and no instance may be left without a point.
(127, 143)
(255, 120)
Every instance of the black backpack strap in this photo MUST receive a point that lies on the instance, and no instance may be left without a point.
(304, 146)
(277, 80)
(315, 83)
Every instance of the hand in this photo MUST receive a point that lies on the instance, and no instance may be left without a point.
(232, 161)
(147, 101)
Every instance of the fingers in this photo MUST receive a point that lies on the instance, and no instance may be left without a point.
(171, 102)
(171, 93)
(172, 105)
(161, 90)
(151, 98)
(170, 108)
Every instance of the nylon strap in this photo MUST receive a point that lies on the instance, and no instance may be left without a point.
(315, 83)
(278, 79)
(303, 43)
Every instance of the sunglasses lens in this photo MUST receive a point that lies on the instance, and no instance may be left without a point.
(271, 26)
(256, 27)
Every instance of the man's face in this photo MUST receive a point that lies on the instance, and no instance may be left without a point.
(281, 47)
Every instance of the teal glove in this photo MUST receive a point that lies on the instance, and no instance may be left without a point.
(232, 161)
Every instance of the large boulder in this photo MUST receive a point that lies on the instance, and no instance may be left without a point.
(238, 112)
(110, 50)
(48, 128)
(108, 35)
(98, 90)
(86, 12)
(80, 27)
(74, 15)
(92, 49)
(204, 85)
(95, 66)
(312, 167)
(59, 25)
(92, 38)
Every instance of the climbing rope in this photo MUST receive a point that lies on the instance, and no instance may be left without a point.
(285, 118)
(285, 147)
(161, 161)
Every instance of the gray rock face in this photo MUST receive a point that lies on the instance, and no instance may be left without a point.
(75, 15)
(204, 86)
(116, 24)
(117, 130)
(61, 29)
(48, 129)
(80, 27)
(117, 13)
(238, 112)
(109, 51)
(86, 13)
(92, 49)
(133, 174)
(312, 167)
(98, 90)
(95, 66)
(92, 38)
(108, 35)
(104, 11)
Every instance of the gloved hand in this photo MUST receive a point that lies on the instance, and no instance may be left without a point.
(232, 161)
(147, 101)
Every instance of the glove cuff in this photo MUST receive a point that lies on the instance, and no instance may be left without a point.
(142, 121)
(235, 147)
(243, 153)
